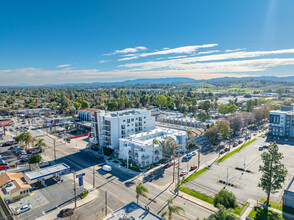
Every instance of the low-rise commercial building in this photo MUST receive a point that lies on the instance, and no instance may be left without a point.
(288, 198)
(281, 123)
(13, 186)
(86, 114)
(142, 149)
(109, 127)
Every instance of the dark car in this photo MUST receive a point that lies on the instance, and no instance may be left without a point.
(194, 167)
(36, 150)
(222, 146)
(240, 142)
(66, 213)
(235, 144)
(222, 151)
(226, 149)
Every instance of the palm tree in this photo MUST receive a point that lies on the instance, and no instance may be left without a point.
(40, 143)
(141, 190)
(223, 214)
(155, 142)
(172, 209)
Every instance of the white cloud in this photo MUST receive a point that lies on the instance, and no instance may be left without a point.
(234, 50)
(63, 65)
(196, 59)
(208, 52)
(178, 50)
(104, 61)
(128, 50)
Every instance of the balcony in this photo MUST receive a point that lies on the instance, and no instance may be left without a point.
(145, 157)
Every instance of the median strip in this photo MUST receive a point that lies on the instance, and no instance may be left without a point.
(235, 151)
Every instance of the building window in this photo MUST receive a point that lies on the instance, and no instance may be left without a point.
(128, 120)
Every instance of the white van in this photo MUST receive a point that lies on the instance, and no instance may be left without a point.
(106, 168)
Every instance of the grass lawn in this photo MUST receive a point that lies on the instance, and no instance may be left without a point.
(262, 214)
(235, 151)
(197, 195)
(194, 175)
(239, 211)
(277, 206)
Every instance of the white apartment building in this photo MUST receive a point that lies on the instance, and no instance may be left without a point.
(281, 123)
(141, 149)
(109, 127)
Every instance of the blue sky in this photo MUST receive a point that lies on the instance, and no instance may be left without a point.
(60, 41)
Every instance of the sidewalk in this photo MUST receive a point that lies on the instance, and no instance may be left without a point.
(92, 196)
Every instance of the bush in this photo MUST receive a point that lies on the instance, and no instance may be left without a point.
(225, 198)
(13, 165)
(84, 194)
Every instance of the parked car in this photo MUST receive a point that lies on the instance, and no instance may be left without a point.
(36, 150)
(44, 164)
(260, 148)
(22, 155)
(23, 209)
(66, 213)
(20, 152)
(4, 167)
(226, 149)
(193, 153)
(106, 168)
(265, 146)
(240, 142)
(194, 167)
(183, 173)
(2, 162)
(235, 144)
(24, 159)
(222, 151)
(187, 157)
(168, 165)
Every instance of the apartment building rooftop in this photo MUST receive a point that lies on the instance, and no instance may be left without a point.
(125, 112)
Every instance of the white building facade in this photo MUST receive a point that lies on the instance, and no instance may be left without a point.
(140, 148)
(109, 127)
(281, 123)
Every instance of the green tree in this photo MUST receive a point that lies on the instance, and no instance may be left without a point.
(203, 115)
(172, 209)
(169, 146)
(41, 143)
(225, 198)
(223, 128)
(141, 190)
(160, 101)
(223, 214)
(85, 104)
(77, 105)
(211, 134)
(273, 171)
(35, 159)
(223, 109)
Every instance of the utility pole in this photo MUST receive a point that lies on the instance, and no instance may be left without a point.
(174, 168)
(54, 151)
(74, 176)
(178, 174)
(198, 158)
(105, 203)
(93, 177)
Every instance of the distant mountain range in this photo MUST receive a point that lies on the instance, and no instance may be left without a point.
(174, 80)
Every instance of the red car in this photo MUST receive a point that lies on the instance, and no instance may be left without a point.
(20, 152)
(4, 167)
(168, 165)
(194, 167)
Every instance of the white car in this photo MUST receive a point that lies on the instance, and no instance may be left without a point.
(106, 168)
(44, 164)
(23, 209)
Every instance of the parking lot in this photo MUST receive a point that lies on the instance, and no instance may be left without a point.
(46, 199)
(244, 184)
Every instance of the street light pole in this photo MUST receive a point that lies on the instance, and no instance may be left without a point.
(75, 190)
(93, 177)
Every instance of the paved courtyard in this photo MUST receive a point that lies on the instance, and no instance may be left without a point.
(244, 184)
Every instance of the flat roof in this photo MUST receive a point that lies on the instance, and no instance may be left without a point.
(132, 210)
(37, 174)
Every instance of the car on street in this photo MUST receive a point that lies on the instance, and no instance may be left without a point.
(240, 142)
(263, 136)
(226, 149)
(265, 146)
(193, 153)
(235, 144)
(107, 168)
(168, 165)
(260, 148)
(23, 209)
(194, 167)
(4, 167)
(20, 152)
(222, 152)
(187, 157)
(66, 213)
(183, 173)
(44, 164)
